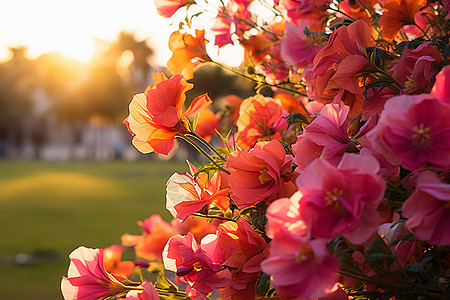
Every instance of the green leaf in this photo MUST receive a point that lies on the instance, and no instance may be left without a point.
(296, 118)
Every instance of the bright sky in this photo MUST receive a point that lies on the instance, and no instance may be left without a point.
(70, 26)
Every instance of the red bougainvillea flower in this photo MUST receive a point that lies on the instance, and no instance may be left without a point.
(343, 200)
(428, 209)
(197, 265)
(300, 268)
(149, 245)
(441, 88)
(242, 250)
(188, 194)
(156, 116)
(336, 66)
(87, 278)
(198, 226)
(112, 261)
(416, 69)
(186, 48)
(166, 8)
(259, 174)
(148, 293)
(396, 14)
(414, 130)
(260, 119)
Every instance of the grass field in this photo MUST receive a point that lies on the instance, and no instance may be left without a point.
(49, 209)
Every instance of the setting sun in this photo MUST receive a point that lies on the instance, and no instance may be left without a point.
(72, 27)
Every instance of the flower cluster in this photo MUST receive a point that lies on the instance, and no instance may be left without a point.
(334, 186)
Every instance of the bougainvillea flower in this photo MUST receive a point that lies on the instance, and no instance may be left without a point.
(416, 68)
(196, 265)
(166, 8)
(396, 14)
(207, 124)
(441, 88)
(242, 250)
(345, 47)
(186, 48)
(156, 116)
(297, 48)
(414, 130)
(295, 10)
(260, 119)
(112, 261)
(343, 200)
(188, 194)
(428, 209)
(300, 268)
(148, 293)
(258, 174)
(198, 226)
(149, 245)
(87, 278)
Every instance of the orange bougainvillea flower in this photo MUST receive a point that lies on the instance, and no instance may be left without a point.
(112, 257)
(185, 49)
(156, 116)
(398, 13)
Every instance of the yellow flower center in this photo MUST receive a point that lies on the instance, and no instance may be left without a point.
(421, 134)
(304, 253)
(264, 177)
(333, 197)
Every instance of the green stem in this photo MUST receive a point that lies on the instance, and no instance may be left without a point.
(341, 12)
(204, 142)
(214, 217)
(199, 149)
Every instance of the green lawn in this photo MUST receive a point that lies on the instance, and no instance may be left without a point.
(49, 209)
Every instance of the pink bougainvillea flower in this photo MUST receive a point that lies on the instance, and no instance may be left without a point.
(200, 266)
(148, 293)
(259, 174)
(300, 268)
(166, 8)
(112, 261)
(188, 194)
(414, 130)
(336, 67)
(260, 119)
(343, 200)
(149, 245)
(428, 209)
(295, 10)
(187, 52)
(242, 250)
(156, 116)
(297, 48)
(417, 68)
(329, 130)
(441, 88)
(87, 278)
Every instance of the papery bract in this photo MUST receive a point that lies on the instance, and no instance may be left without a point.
(198, 267)
(258, 174)
(87, 278)
(414, 130)
(112, 261)
(299, 267)
(343, 200)
(188, 194)
(166, 8)
(428, 209)
(156, 116)
(185, 48)
(156, 233)
(441, 88)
